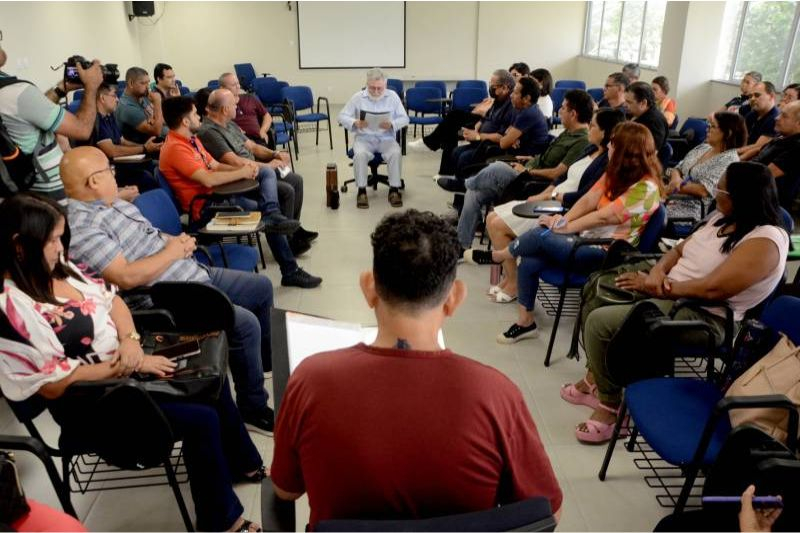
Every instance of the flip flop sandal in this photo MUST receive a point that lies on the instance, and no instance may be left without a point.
(598, 432)
(493, 290)
(570, 393)
(501, 297)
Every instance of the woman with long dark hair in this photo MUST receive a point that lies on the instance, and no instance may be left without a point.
(69, 326)
(738, 256)
(618, 206)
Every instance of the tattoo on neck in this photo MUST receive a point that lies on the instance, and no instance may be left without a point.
(402, 344)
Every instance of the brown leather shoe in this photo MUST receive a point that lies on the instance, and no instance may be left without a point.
(395, 199)
(362, 202)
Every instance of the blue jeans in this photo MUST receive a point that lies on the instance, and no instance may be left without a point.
(482, 189)
(542, 249)
(250, 345)
(216, 448)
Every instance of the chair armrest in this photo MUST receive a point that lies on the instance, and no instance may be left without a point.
(778, 401)
(327, 105)
(580, 241)
(276, 514)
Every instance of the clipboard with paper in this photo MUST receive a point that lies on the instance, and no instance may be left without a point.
(374, 120)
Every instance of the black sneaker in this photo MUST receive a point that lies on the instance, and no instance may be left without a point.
(306, 235)
(300, 278)
(278, 223)
(479, 257)
(362, 202)
(517, 333)
(299, 246)
(263, 422)
(451, 184)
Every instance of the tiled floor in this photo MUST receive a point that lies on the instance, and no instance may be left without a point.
(622, 503)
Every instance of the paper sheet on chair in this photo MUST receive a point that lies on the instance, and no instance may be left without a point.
(308, 335)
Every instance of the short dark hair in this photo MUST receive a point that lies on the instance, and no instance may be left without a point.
(414, 259)
(26, 222)
(201, 100)
(620, 79)
(769, 87)
(608, 118)
(733, 129)
(104, 88)
(530, 87)
(582, 103)
(794, 87)
(642, 91)
(520, 67)
(662, 82)
(158, 71)
(545, 79)
(134, 73)
(176, 109)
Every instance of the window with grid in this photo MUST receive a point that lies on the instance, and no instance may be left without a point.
(628, 32)
(760, 36)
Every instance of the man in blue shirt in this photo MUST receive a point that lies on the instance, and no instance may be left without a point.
(375, 99)
(760, 120)
(139, 112)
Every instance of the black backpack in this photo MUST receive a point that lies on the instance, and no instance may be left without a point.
(17, 170)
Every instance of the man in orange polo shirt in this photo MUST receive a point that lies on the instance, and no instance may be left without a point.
(190, 170)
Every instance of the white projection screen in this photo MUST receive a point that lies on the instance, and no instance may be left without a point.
(351, 34)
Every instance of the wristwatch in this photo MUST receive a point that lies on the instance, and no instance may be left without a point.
(133, 335)
(61, 93)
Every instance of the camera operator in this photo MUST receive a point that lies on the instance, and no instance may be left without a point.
(34, 119)
(139, 112)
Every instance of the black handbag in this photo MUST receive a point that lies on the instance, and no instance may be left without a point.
(198, 377)
(12, 498)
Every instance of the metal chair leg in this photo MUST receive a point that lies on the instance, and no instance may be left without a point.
(261, 251)
(632, 439)
(574, 350)
(317, 140)
(691, 475)
(176, 490)
(623, 410)
(561, 297)
(330, 131)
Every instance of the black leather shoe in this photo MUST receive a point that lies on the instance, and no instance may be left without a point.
(299, 246)
(300, 278)
(306, 235)
(451, 184)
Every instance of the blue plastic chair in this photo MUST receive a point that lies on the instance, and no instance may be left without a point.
(565, 280)
(157, 207)
(302, 98)
(213, 84)
(465, 97)
(557, 96)
(474, 84)
(268, 90)
(571, 84)
(685, 420)
(438, 85)
(693, 132)
(397, 86)
(417, 100)
(185, 91)
(246, 74)
(77, 95)
(596, 93)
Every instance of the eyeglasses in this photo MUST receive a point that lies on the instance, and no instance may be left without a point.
(712, 126)
(110, 168)
(716, 190)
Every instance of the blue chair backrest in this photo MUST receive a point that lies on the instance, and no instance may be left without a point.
(557, 96)
(396, 85)
(73, 106)
(463, 97)
(675, 122)
(77, 95)
(184, 90)
(787, 220)
(571, 84)
(121, 85)
(698, 127)
(440, 85)
(596, 93)
(417, 99)
(781, 315)
(246, 74)
(164, 186)
(300, 95)
(157, 207)
(473, 84)
(213, 84)
(651, 234)
(268, 91)
(665, 155)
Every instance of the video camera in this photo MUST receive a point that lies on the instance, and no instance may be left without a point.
(110, 71)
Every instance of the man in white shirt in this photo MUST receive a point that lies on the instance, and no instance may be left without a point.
(375, 99)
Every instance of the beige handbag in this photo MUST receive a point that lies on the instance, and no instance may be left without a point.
(778, 372)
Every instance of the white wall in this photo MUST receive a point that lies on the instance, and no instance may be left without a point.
(37, 35)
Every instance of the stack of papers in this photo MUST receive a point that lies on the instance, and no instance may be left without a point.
(234, 222)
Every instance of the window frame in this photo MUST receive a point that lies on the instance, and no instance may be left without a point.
(616, 58)
(788, 53)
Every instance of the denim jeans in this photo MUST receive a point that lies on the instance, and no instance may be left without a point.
(540, 248)
(290, 195)
(482, 189)
(267, 201)
(250, 345)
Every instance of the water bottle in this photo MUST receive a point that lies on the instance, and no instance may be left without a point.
(331, 186)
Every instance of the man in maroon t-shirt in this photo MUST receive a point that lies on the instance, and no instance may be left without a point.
(251, 115)
(402, 428)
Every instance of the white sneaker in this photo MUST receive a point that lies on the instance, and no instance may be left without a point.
(418, 146)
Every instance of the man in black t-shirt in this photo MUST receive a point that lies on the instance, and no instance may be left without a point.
(760, 120)
(782, 154)
(642, 106)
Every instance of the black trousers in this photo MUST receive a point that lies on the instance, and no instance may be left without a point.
(445, 137)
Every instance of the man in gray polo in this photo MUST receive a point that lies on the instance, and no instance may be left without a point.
(139, 111)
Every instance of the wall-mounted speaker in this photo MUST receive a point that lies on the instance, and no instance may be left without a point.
(143, 9)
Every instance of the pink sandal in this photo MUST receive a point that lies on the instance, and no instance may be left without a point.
(570, 393)
(598, 432)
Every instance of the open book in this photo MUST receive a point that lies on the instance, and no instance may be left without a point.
(308, 335)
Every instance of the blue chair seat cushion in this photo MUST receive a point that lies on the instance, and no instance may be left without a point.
(674, 433)
(240, 257)
(555, 276)
(425, 120)
(311, 117)
(281, 127)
